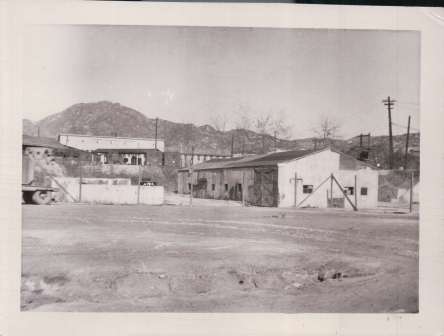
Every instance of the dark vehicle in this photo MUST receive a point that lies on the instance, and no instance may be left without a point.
(32, 193)
(148, 182)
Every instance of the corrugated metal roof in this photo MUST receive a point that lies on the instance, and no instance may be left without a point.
(270, 159)
(213, 164)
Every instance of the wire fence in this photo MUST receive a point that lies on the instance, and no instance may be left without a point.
(399, 188)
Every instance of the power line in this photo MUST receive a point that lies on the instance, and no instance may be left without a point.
(408, 103)
(406, 127)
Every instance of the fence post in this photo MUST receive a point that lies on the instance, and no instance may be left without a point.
(345, 194)
(138, 184)
(191, 184)
(243, 187)
(80, 178)
(356, 191)
(295, 189)
(411, 193)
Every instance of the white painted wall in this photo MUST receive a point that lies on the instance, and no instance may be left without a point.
(312, 170)
(365, 178)
(86, 142)
(121, 194)
(151, 195)
(109, 193)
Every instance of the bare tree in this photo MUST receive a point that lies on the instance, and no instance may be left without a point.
(327, 128)
(219, 122)
(263, 123)
(273, 125)
(243, 120)
(270, 124)
(279, 128)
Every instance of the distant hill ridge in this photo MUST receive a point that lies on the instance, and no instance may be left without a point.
(111, 119)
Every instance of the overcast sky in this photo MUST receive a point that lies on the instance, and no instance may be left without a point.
(190, 74)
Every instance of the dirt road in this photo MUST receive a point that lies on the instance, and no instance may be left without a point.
(217, 259)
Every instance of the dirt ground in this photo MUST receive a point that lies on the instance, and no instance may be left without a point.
(172, 258)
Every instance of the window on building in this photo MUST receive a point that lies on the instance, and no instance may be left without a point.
(189, 186)
(364, 191)
(363, 155)
(349, 190)
(213, 187)
(307, 188)
(239, 188)
(226, 186)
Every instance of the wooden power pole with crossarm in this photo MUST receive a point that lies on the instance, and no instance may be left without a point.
(389, 102)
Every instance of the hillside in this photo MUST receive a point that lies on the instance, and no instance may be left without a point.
(114, 119)
(29, 128)
(106, 118)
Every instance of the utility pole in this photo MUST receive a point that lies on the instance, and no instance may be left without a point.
(155, 137)
(407, 143)
(411, 193)
(191, 175)
(390, 103)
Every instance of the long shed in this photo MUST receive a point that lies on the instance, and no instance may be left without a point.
(285, 179)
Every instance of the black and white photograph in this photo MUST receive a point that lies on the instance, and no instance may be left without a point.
(220, 169)
(238, 169)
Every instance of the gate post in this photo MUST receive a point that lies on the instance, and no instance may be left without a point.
(295, 189)
(345, 194)
(356, 191)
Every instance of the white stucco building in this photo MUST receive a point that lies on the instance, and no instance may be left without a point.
(108, 149)
(93, 142)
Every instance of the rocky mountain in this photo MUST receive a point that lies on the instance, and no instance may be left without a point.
(114, 119)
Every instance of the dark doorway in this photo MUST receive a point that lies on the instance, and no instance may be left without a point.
(265, 189)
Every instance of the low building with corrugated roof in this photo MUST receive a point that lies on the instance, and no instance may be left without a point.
(297, 178)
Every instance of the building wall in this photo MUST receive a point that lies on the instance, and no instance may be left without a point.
(219, 178)
(114, 191)
(311, 170)
(85, 142)
(188, 159)
(365, 178)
